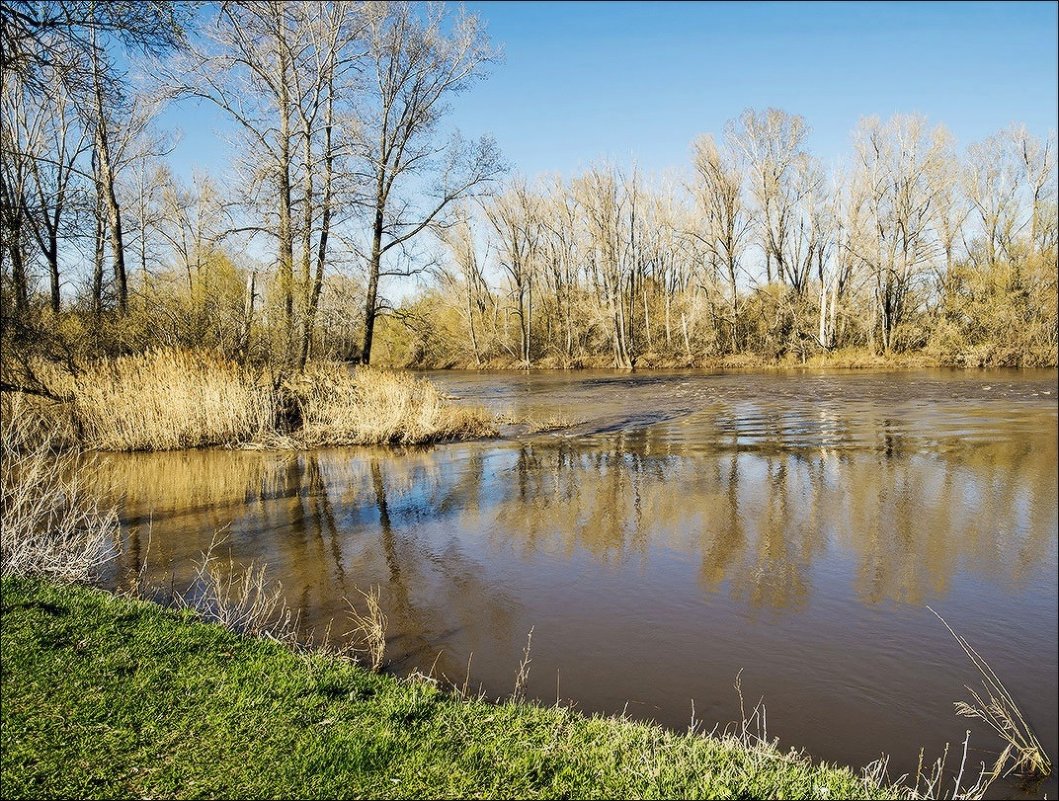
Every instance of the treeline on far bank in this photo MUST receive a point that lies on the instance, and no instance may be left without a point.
(915, 250)
(917, 256)
(1002, 318)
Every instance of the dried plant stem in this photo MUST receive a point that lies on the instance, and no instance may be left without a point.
(522, 677)
(996, 707)
(369, 627)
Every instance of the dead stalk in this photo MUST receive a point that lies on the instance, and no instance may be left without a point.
(522, 677)
(244, 602)
(369, 627)
(996, 707)
(52, 524)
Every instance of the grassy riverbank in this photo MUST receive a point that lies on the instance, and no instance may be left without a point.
(104, 696)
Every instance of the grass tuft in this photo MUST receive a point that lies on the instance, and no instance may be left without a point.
(241, 601)
(367, 406)
(171, 399)
(369, 628)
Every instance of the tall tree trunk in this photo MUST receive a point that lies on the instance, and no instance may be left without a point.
(687, 341)
(669, 334)
(470, 327)
(105, 175)
(100, 244)
(735, 303)
(833, 334)
(248, 312)
(18, 273)
(647, 321)
(113, 211)
(286, 234)
(569, 323)
(371, 298)
(822, 337)
(52, 255)
(527, 329)
(307, 221)
(321, 250)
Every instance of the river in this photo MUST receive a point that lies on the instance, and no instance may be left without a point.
(790, 528)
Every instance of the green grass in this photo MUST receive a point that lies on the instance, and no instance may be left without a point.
(106, 697)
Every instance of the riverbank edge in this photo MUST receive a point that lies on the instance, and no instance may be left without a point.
(849, 359)
(111, 696)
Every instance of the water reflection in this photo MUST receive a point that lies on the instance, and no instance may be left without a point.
(909, 512)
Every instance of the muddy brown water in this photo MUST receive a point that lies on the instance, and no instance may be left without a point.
(793, 527)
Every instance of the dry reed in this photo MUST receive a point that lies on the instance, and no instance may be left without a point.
(369, 628)
(169, 399)
(173, 399)
(555, 422)
(240, 601)
(338, 406)
(997, 709)
(929, 783)
(522, 677)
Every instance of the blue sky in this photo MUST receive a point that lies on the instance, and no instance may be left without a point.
(638, 81)
(641, 80)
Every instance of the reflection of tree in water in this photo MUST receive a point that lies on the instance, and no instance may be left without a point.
(757, 501)
(325, 523)
(760, 517)
(723, 538)
(988, 506)
(434, 592)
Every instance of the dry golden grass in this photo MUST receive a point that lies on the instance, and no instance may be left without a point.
(168, 399)
(243, 601)
(337, 406)
(174, 399)
(37, 422)
(996, 707)
(369, 628)
(537, 424)
(555, 422)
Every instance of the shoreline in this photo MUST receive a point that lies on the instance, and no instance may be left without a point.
(851, 361)
(108, 695)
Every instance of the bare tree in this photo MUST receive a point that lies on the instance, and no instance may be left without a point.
(563, 246)
(51, 143)
(950, 207)
(16, 168)
(286, 74)
(53, 43)
(417, 62)
(459, 238)
(725, 221)
(191, 225)
(603, 202)
(992, 180)
(896, 160)
(781, 174)
(60, 52)
(245, 68)
(327, 91)
(516, 219)
(1038, 160)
